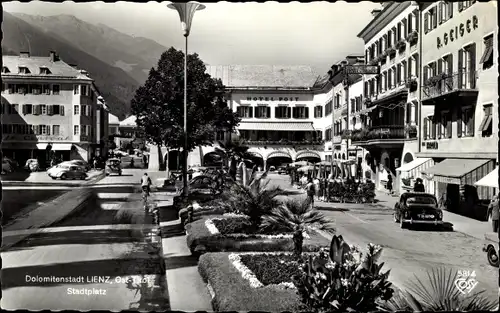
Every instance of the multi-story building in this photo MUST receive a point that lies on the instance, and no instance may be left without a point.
(49, 108)
(114, 130)
(459, 97)
(102, 128)
(391, 97)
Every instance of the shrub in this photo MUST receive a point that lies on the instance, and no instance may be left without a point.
(343, 280)
(272, 268)
(232, 225)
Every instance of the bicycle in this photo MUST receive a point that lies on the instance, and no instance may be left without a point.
(145, 195)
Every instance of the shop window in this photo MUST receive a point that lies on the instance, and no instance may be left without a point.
(487, 58)
(486, 126)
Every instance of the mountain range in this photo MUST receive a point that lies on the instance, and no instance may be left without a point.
(119, 63)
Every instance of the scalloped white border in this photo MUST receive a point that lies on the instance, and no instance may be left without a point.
(247, 274)
(214, 231)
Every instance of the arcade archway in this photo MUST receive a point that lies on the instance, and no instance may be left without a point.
(277, 158)
(309, 156)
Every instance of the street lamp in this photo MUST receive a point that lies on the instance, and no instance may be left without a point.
(186, 13)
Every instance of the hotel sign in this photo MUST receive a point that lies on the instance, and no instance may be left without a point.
(273, 98)
(8, 138)
(362, 69)
(458, 31)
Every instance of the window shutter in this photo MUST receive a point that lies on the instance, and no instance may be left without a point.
(61, 110)
(250, 112)
(426, 128)
(47, 129)
(288, 112)
(268, 112)
(426, 73)
(449, 125)
(440, 13)
(307, 112)
(434, 17)
(440, 66)
(426, 23)
(450, 9)
(470, 123)
(276, 112)
(50, 109)
(432, 123)
(460, 6)
(25, 109)
(38, 129)
(472, 68)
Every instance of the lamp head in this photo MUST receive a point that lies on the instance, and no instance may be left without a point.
(186, 13)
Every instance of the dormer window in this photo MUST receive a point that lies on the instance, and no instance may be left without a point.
(5, 70)
(44, 70)
(24, 70)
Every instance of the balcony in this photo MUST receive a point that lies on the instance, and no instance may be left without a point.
(384, 135)
(283, 142)
(462, 83)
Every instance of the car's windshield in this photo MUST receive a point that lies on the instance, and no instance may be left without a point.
(420, 200)
(63, 166)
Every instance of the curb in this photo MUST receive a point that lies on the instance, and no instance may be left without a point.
(81, 204)
(92, 180)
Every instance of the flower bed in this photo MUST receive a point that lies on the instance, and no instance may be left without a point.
(199, 211)
(230, 233)
(237, 288)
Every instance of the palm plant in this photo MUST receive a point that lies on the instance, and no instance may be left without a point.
(233, 148)
(296, 216)
(440, 294)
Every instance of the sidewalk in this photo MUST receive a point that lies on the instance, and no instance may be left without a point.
(462, 224)
(186, 289)
(44, 216)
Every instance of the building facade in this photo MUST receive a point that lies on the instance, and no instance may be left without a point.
(391, 97)
(49, 109)
(114, 130)
(459, 96)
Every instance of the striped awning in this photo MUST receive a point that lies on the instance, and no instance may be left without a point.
(460, 171)
(278, 154)
(307, 154)
(276, 126)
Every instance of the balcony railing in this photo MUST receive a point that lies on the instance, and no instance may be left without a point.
(445, 83)
(379, 133)
(283, 142)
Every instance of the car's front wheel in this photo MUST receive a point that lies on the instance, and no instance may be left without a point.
(402, 224)
(395, 216)
(492, 256)
(63, 176)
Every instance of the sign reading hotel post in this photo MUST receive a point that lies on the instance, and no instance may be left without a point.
(362, 69)
(290, 98)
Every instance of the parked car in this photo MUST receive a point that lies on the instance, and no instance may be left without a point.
(282, 170)
(32, 165)
(491, 241)
(84, 165)
(7, 167)
(67, 171)
(113, 166)
(417, 208)
(272, 168)
(120, 153)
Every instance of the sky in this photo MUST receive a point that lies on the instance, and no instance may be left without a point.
(318, 34)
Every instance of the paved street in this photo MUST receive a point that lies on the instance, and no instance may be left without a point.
(408, 252)
(94, 244)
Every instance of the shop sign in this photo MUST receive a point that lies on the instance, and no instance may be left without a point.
(7, 138)
(431, 145)
(290, 98)
(458, 31)
(362, 69)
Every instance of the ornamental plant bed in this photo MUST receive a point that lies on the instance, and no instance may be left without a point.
(233, 233)
(199, 211)
(232, 292)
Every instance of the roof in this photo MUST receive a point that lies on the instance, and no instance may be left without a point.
(58, 69)
(112, 119)
(264, 75)
(129, 121)
(276, 126)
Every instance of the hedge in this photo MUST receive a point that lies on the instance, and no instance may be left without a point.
(231, 292)
(200, 239)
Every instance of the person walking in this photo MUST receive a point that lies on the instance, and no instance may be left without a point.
(495, 207)
(311, 191)
(146, 183)
(389, 184)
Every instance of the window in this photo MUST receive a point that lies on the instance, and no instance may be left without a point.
(442, 12)
(245, 111)
(5, 70)
(76, 89)
(487, 58)
(389, 79)
(28, 109)
(84, 90)
(328, 134)
(44, 70)
(328, 108)
(76, 109)
(24, 70)
(35, 89)
(56, 89)
(389, 39)
(84, 130)
(56, 130)
(465, 123)
(445, 125)
(467, 67)
(262, 111)
(83, 110)
(46, 89)
(43, 109)
(448, 64)
(301, 112)
(43, 130)
(398, 31)
(385, 79)
(282, 112)
(21, 89)
(486, 126)
(398, 74)
(56, 109)
(462, 5)
(318, 111)
(76, 130)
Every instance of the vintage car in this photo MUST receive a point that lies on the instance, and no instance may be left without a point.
(491, 241)
(282, 170)
(84, 165)
(417, 208)
(67, 171)
(113, 166)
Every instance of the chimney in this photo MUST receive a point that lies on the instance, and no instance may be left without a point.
(376, 12)
(24, 54)
(53, 56)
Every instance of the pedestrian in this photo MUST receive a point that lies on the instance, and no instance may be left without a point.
(419, 185)
(389, 183)
(311, 191)
(95, 163)
(443, 202)
(494, 207)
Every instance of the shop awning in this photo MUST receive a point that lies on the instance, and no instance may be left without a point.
(61, 146)
(413, 164)
(41, 146)
(490, 180)
(276, 126)
(307, 154)
(459, 171)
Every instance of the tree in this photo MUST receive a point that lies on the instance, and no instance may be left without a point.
(159, 104)
(229, 149)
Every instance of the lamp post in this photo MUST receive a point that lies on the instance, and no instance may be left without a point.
(186, 13)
